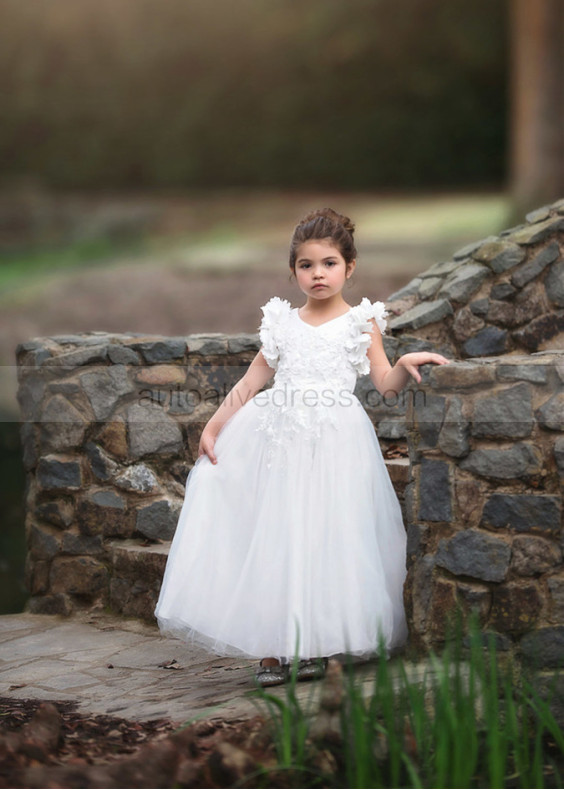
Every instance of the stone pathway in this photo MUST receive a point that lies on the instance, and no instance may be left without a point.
(110, 665)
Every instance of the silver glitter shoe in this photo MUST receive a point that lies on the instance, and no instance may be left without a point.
(312, 668)
(271, 676)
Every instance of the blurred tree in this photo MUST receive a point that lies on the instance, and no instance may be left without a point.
(537, 109)
(194, 93)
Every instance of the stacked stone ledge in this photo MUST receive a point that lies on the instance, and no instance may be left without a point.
(485, 438)
(501, 295)
(110, 430)
(484, 505)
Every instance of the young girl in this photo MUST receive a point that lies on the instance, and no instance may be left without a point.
(291, 533)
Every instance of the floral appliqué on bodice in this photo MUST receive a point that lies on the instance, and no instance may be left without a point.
(316, 367)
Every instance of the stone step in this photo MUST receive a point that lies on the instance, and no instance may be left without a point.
(137, 569)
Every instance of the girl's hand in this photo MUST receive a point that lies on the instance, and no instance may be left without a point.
(207, 442)
(412, 361)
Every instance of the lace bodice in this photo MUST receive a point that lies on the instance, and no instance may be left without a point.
(316, 366)
(332, 353)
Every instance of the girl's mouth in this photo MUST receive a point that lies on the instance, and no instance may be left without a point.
(319, 285)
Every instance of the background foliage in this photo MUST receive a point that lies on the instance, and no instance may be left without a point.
(291, 93)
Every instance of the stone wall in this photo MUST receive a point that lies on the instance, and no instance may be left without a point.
(110, 430)
(484, 505)
(503, 294)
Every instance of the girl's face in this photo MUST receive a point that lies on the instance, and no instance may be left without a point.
(321, 270)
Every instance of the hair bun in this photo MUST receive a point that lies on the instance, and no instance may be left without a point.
(332, 216)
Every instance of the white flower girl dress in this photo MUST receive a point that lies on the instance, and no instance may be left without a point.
(295, 536)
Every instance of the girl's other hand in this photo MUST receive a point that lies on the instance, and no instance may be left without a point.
(412, 361)
(206, 446)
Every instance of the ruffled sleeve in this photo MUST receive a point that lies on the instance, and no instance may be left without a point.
(274, 312)
(361, 332)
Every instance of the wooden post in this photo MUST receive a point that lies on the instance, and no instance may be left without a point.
(537, 102)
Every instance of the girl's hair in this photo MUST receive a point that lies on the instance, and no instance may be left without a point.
(324, 223)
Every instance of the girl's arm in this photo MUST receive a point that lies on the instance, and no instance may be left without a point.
(393, 379)
(256, 376)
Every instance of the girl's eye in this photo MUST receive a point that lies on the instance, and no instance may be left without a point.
(330, 263)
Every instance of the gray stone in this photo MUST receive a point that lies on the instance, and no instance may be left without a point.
(416, 534)
(532, 234)
(392, 429)
(139, 478)
(454, 435)
(104, 388)
(164, 350)
(81, 544)
(214, 343)
(122, 355)
(103, 467)
(62, 425)
(440, 269)
(422, 314)
(429, 287)
(29, 345)
(538, 215)
(78, 576)
(50, 604)
(434, 491)
(480, 307)
(152, 431)
(502, 291)
(522, 372)
(529, 303)
(559, 454)
(466, 324)
(56, 512)
(544, 648)
(551, 414)
(532, 556)
(30, 394)
(244, 341)
(104, 512)
(43, 544)
(554, 284)
(29, 443)
(506, 415)
(429, 414)
(487, 342)
(523, 513)
(421, 585)
(520, 460)
(462, 375)
(508, 231)
(515, 607)
(469, 249)
(79, 357)
(528, 271)
(408, 343)
(501, 313)
(158, 520)
(540, 330)
(475, 554)
(556, 590)
(462, 283)
(55, 473)
(499, 255)
(408, 290)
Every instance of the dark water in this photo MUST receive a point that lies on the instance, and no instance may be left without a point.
(13, 594)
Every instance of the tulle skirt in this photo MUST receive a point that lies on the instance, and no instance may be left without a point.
(300, 552)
